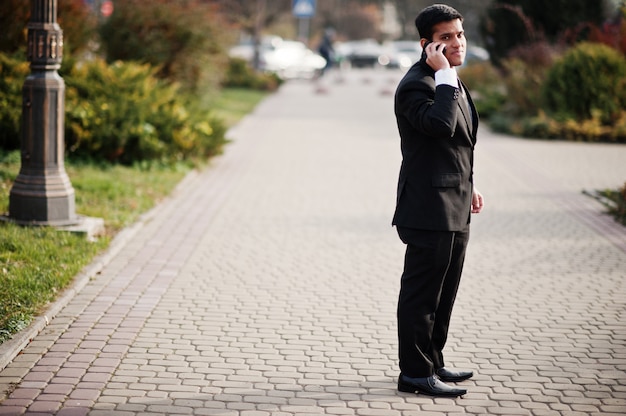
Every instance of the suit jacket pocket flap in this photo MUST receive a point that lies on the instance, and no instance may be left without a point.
(446, 180)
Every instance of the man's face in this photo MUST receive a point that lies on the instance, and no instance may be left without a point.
(451, 33)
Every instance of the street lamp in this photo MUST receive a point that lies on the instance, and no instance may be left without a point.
(42, 193)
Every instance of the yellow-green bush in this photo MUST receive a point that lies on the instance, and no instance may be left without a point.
(543, 126)
(239, 74)
(124, 113)
(120, 112)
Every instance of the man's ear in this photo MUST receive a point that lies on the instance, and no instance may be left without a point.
(423, 42)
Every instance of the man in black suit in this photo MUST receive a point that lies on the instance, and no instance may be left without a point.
(437, 122)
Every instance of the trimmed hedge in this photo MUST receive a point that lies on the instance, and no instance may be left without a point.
(589, 81)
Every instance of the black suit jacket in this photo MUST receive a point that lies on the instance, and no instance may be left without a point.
(437, 142)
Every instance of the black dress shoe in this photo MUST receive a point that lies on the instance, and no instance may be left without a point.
(430, 386)
(449, 375)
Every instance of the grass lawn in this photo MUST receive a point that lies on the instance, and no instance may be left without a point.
(235, 103)
(37, 263)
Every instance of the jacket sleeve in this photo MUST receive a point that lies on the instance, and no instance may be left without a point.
(429, 109)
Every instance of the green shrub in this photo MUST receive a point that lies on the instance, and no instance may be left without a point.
(124, 113)
(579, 97)
(588, 81)
(486, 85)
(13, 72)
(240, 75)
(185, 39)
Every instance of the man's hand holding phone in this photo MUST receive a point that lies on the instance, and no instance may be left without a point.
(435, 55)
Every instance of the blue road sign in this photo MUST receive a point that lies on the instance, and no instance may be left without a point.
(303, 8)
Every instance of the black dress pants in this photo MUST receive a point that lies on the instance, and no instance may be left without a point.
(432, 270)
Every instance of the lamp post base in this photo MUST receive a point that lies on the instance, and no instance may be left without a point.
(40, 199)
(90, 227)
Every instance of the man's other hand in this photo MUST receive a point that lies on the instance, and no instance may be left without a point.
(477, 202)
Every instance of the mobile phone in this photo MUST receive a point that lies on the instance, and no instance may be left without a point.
(429, 42)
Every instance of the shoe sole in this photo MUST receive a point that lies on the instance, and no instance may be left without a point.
(407, 388)
(453, 379)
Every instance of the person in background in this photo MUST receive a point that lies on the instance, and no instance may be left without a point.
(436, 197)
(326, 49)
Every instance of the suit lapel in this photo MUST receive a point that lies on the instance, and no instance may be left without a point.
(464, 105)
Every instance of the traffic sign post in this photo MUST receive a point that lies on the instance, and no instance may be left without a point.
(303, 9)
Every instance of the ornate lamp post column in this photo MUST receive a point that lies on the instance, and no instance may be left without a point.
(42, 193)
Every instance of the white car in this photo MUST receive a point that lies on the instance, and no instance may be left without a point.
(287, 58)
(245, 49)
(292, 59)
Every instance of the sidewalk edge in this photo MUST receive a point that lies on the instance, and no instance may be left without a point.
(12, 347)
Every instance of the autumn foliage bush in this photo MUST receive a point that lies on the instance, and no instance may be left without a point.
(184, 39)
(74, 17)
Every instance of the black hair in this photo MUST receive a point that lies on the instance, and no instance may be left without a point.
(431, 15)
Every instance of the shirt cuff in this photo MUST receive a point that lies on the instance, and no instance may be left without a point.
(447, 76)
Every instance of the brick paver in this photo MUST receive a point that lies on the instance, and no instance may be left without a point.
(267, 284)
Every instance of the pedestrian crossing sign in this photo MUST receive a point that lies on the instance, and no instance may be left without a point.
(303, 8)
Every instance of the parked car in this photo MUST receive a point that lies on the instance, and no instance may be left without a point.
(287, 58)
(360, 53)
(245, 49)
(292, 59)
(401, 54)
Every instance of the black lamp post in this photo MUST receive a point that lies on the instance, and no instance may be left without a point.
(42, 193)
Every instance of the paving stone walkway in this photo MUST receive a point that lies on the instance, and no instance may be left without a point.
(267, 284)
